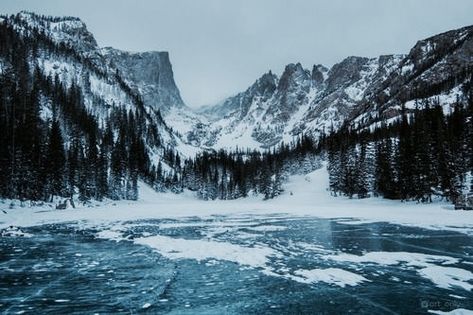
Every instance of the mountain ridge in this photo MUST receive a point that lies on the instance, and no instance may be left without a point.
(274, 108)
(360, 90)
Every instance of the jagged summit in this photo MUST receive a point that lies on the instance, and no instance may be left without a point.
(267, 80)
(293, 74)
(362, 90)
(317, 74)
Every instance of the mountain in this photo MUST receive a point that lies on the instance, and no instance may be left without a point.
(437, 70)
(301, 101)
(363, 91)
(57, 82)
(109, 78)
(278, 108)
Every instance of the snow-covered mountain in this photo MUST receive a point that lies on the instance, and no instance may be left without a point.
(437, 69)
(108, 79)
(276, 109)
(273, 109)
(363, 91)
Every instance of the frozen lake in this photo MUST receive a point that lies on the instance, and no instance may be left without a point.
(271, 264)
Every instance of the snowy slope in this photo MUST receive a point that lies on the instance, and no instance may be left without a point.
(103, 86)
(300, 101)
(437, 69)
(362, 91)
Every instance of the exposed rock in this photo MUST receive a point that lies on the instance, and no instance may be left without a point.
(151, 74)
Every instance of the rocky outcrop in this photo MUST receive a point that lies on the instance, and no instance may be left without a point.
(151, 74)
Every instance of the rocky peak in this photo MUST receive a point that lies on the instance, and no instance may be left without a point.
(345, 72)
(149, 72)
(318, 74)
(71, 31)
(293, 74)
(265, 85)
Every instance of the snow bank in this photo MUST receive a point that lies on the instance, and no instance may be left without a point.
(14, 232)
(268, 228)
(394, 258)
(448, 277)
(309, 198)
(110, 235)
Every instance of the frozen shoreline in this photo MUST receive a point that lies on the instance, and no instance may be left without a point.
(303, 196)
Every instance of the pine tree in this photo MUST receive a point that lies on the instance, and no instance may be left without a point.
(73, 165)
(91, 166)
(362, 172)
(385, 184)
(334, 169)
(56, 161)
(102, 175)
(117, 170)
(405, 159)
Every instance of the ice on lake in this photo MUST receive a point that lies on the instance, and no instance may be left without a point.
(267, 264)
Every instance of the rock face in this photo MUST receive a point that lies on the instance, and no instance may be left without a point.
(150, 73)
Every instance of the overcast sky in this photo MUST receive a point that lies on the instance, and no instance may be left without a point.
(220, 47)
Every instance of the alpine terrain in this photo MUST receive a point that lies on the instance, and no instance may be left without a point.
(322, 189)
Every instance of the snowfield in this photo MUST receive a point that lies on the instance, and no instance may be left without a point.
(305, 195)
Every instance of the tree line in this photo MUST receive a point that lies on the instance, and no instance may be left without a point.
(426, 153)
(236, 174)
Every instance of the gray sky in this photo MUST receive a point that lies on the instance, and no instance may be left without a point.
(219, 47)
